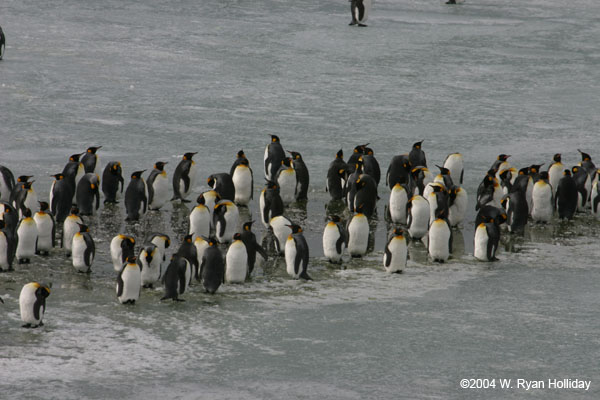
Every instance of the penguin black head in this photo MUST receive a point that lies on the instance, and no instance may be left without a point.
(524, 171)
(567, 172)
(295, 155)
(272, 185)
(491, 172)
(443, 171)
(295, 228)
(74, 210)
(237, 236)
(189, 156)
(116, 167)
(340, 154)
(241, 154)
(200, 199)
(544, 175)
(286, 161)
(244, 161)
(211, 181)
(93, 150)
(188, 238)
(58, 177)
(24, 178)
(360, 149)
(359, 208)
(335, 218)
(212, 242)
(129, 239)
(503, 157)
(505, 174)
(42, 289)
(27, 185)
(75, 157)
(274, 139)
(557, 157)
(535, 168)
(398, 231)
(369, 151)
(248, 226)
(43, 206)
(438, 188)
(83, 228)
(585, 156)
(575, 169)
(418, 145)
(160, 165)
(137, 174)
(131, 259)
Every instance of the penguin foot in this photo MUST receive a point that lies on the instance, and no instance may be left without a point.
(179, 300)
(356, 256)
(397, 272)
(353, 22)
(451, 2)
(185, 201)
(362, 25)
(26, 326)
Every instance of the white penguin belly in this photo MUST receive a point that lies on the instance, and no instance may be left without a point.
(358, 236)
(150, 271)
(132, 281)
(26, 303)
(481, 243)
(439, 241)
(419, 219)
(398, 201)
(287, 186)
(3, 251)
(236, 263)
(116, 253)
(161, 192)
(70, 228)
(456, 212)
(290, 258)
(281, 232)
(242, 181)
(44, 226)
(542, 203)
(31, 201)
(201, 245)
(77, 253)
(231, 217)
(331, 235)
(399, 255)
(200, 221)
(27, 234)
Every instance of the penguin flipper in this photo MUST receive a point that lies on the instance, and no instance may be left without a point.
(181, 278)
(387, 256)
(298, 258)
(120, 283)
(260, 250)
(338, 244)
(186, 182)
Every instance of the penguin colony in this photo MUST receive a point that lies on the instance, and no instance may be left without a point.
(422, 206)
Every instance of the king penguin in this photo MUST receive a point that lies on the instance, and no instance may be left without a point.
(91, 161)
(223, 185)
(279, 225)
(174, 279)
(337, 176)
(396, 252)
(555, 171)
(32, 304)
(162, 243)
(74, 170)
(252, 246)
(296, 253)
(455, 163)
(87, 191)
(70, 228)
(158, 186)
(8, 247)
(17, 188)
(398, 203)
(212, 269)
(458, 201)
(487, 237)
(136, 199)
(240, 156)
(274, 154)
(226, 219)
(366, 194)
(287, 181)
(61, 197)
(398, 171)
(335, 239)
(439, 243)
(111, 178)
(517, 210)
(542, 201)
(416, 157)
(7, 183)
(302, 176)
(188, 251)
(46, 227)
(184, 178)
(270, 203)
(10, 216)
(236, 261)
(358, 233)
(595, 200)
(150, 262)
(121, 248)
(584, 186)
(129, 282)
(199, 219)
(566, 196)
(243, 182)
(27, 235)
(418, 217)
(27, 198)
(83, 250)
(357, 153)
(371, 165)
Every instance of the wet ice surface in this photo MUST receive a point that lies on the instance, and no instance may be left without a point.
(152, 80)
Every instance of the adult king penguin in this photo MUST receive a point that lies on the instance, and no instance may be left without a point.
(243, 182)
(396, 252)
(184, 178)
(555, 172)
(111, 178)
(566, 196)
(70, 228)
(223, 185)
(200, 218)
(287, 181)
(238, 160)
(150, 262)
(212, 269)
(27, 198)
(61, 197)
(83, 250)
(174, 279)
(226, 217)
(136, 200)
(358, 233)
(302, 176)
(270, 203)
(7, 183)
(454, 162)
(27, 235)
(543, 203)
(188, 251)
(397, 206)
(8, 247)
(91, 161)
(129, 282)
(46, 227)
(158, 186)
(337, 176)
(418, 217)
(236, 261)
(279, 225)
(296, 254)
(398, 171)
(121, 248)
(335, 239)
(252, 246)
(416, 157)
(274, 155)
(32, 304)
(487, 237)
(87, 191)
(439, 243)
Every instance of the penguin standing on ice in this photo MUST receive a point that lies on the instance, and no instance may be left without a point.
(223, 185)
(27, 235)
(32, 304)
(8, 247)
(396, 252)
(252, 246)
(26, 198)
(188, 251)
(212, 269)
(584, 186)
(274, 155)
(158, 186)
(240, 157)
(454, 162)
(111, 178)
(46, 227)
(236, 261)
(200, 218)
(398, 202)
(91, 161)
(226, 217)
(337, 176)
(129, 282)
(83, 250)
(358, 233)
(517, 210)
(122, 247)
(61, 197)
(302, 176)
(296, 254)
(279, 225)
(184, 178)
(174, 279)
(418, 217)
(287, 181)
(87, 191)
(335, 239)
(565, 200)
(270, 203)
(70, 228)
(136, 200)
(487, 237)
(555, 172)
(542, 201)
(439, 243)
(149, 261)
(416, 157)
(398, 171)
(7, 183)
(243, 182)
